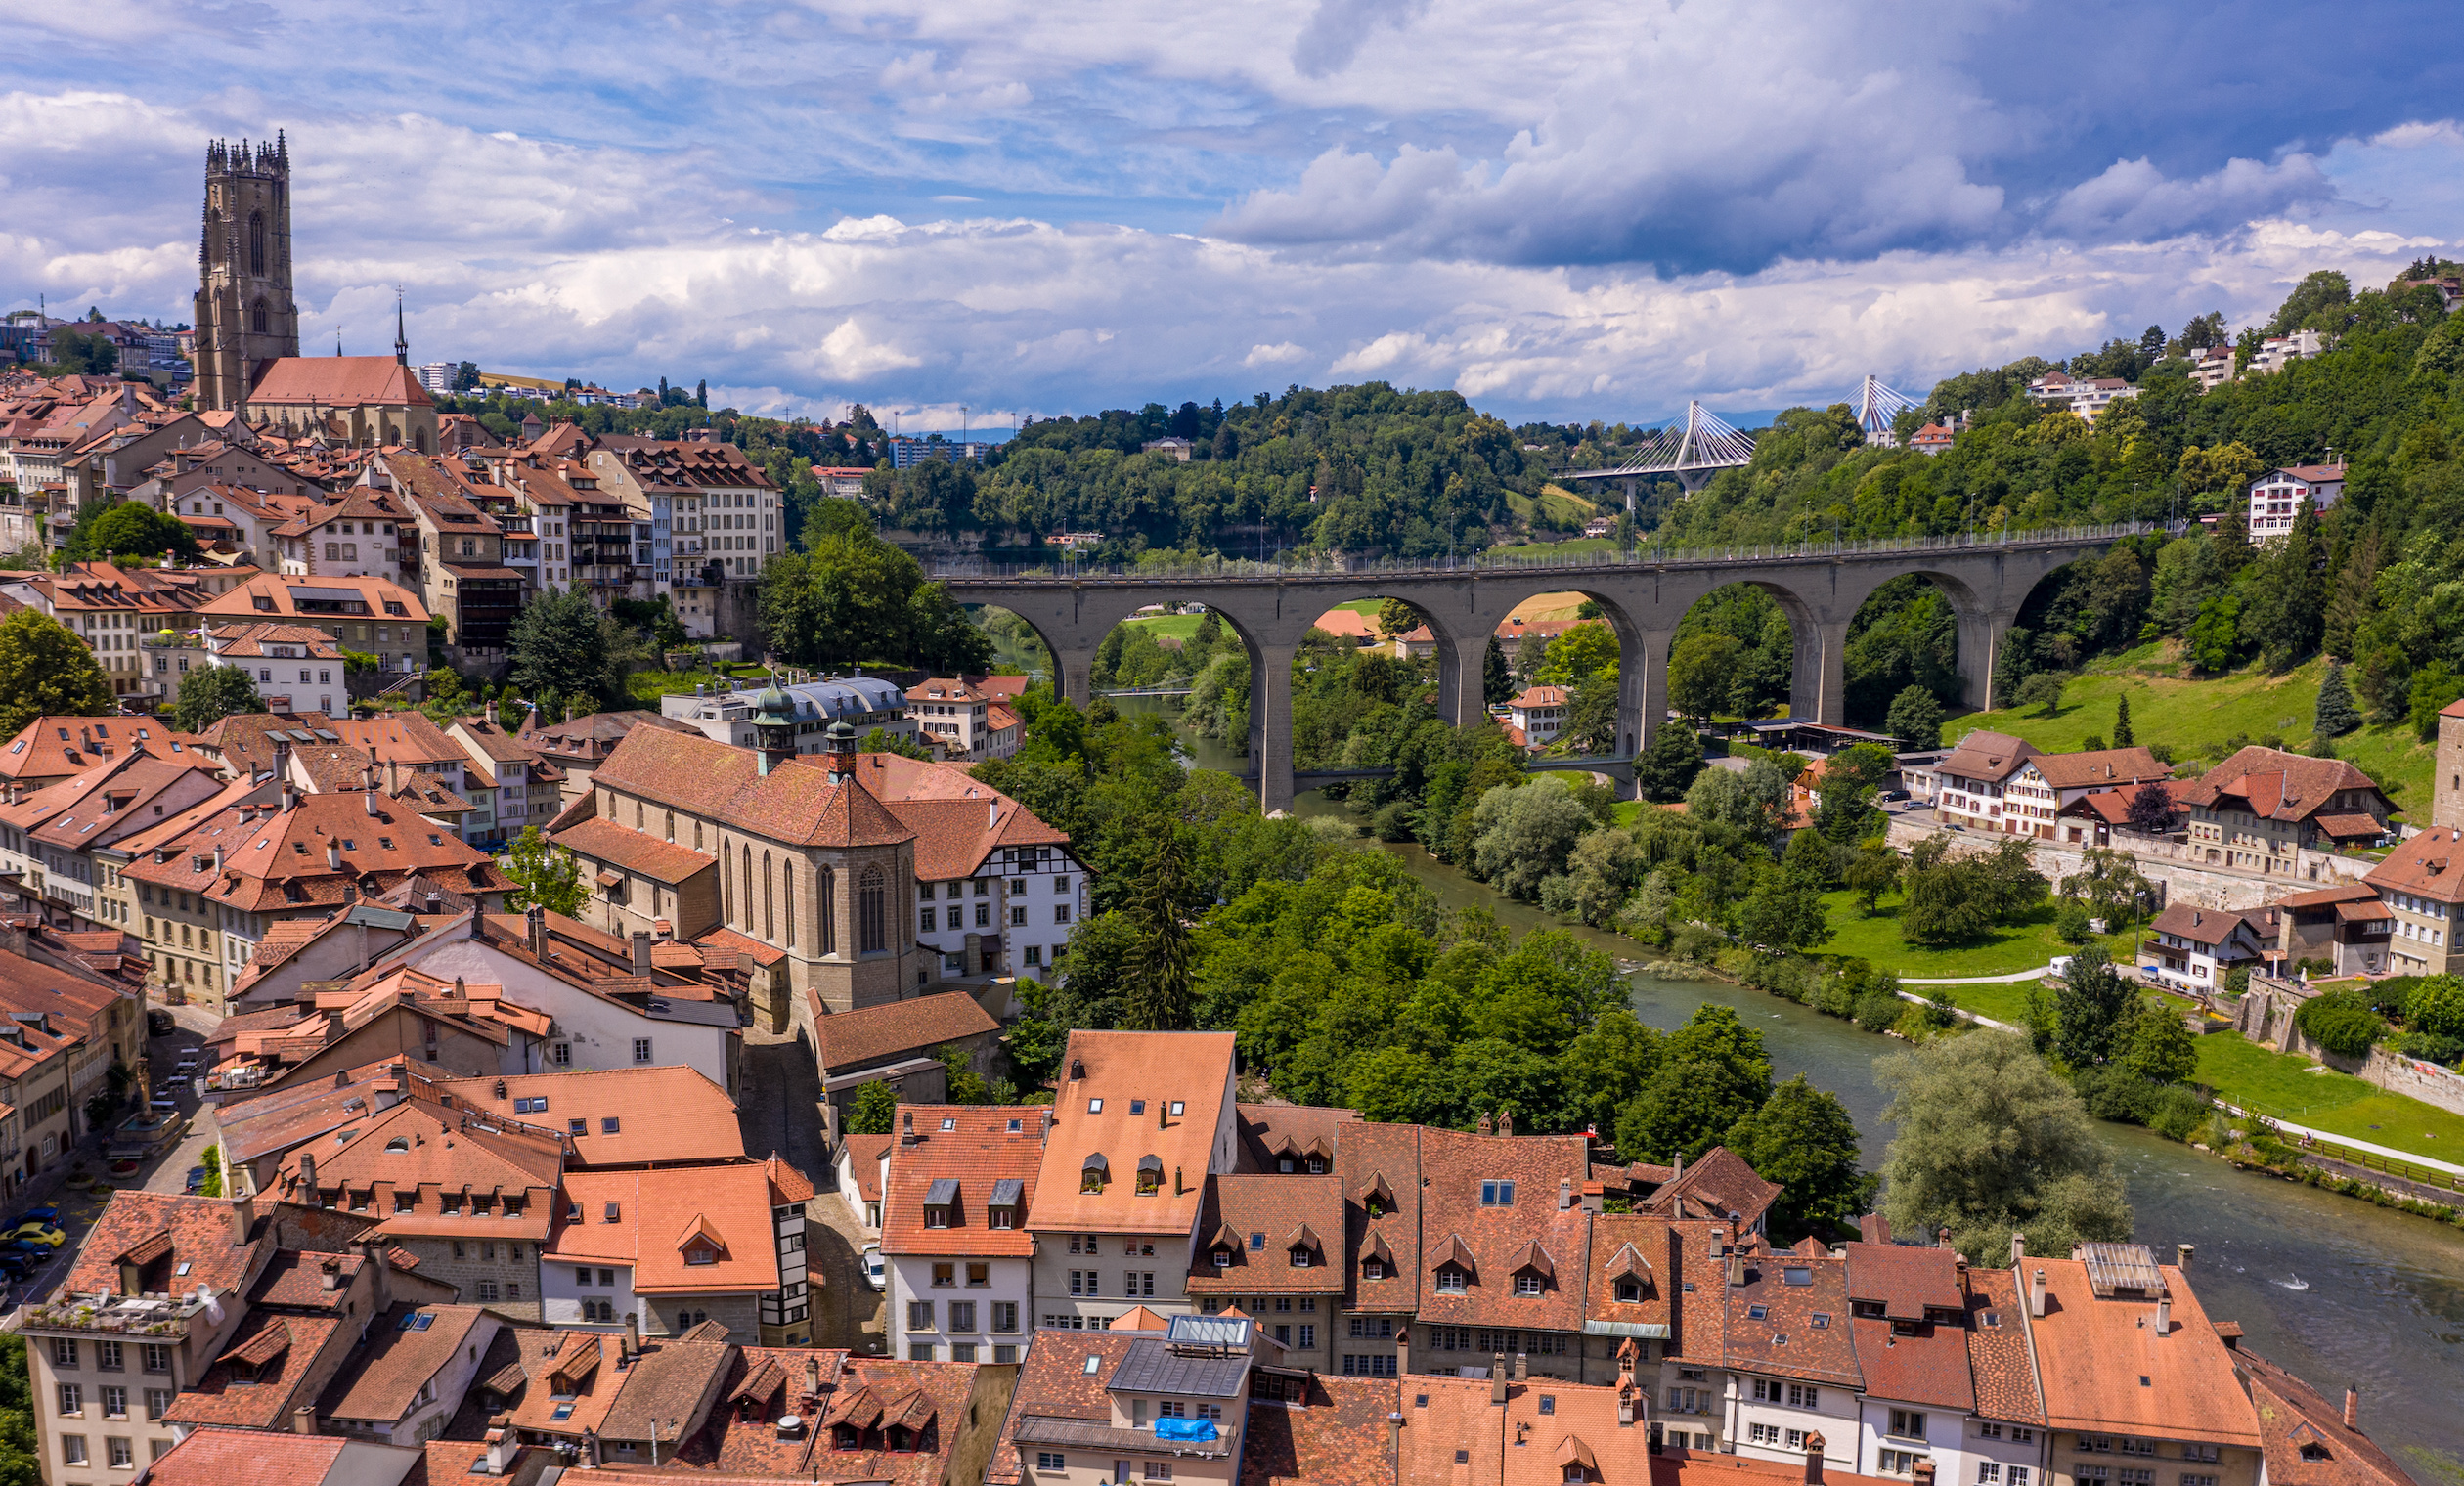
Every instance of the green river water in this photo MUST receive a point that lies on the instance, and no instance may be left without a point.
(2380, 1300)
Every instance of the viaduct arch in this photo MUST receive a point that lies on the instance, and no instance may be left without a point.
(1643, 596)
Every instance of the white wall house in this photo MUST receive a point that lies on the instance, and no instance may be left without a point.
(2277, 499)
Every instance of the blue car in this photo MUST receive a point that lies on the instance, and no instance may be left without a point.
(39, 1215)
(34, 1249)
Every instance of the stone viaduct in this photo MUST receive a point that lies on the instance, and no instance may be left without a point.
(1643, 595)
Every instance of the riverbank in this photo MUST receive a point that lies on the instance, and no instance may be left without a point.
(2381, 1296)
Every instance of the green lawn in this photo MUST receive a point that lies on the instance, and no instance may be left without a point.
(1177, 626)
(2168, 705)
(2020, 946)
(2268, 1082)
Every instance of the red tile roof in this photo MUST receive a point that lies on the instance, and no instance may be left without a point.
(2308, 1443)
(975, 1146)
(220, 1456)
(2275, 785)
(1261, 1223)
(620, 845)
(2092, 1352)
(664, 1216)
(2430, 864)
(2001, 1366)
(667, 1116)
(1135, 1078)
(340, 381)
(798, 801)
(852, 1040)
(1496, 1235)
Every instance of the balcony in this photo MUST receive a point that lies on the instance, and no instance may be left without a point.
(163, 1317)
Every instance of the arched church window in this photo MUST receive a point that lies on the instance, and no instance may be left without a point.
(256, 243)
(747, 870)
(872, 912)
(259, 319)
(787, 894)
(825, 899)
(770, 916)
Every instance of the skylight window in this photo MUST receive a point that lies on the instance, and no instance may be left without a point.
(949, 1122)
(1094, 1107)
(1093, 1362)
(1758, 1313)
(1137, 1107)
(1797, 1274)
(1177, 1107)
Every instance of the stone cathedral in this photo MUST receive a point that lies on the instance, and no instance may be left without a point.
(246, 318)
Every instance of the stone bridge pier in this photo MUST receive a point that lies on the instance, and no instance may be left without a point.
(1642, 599)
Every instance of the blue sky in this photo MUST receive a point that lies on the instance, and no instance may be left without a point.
(1567, 210)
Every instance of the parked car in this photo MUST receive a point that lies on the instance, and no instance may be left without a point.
(17, 1266)
(1891, 795)
(190, 1058)
(44, 1233)
(39, 1215)
(196, 1180)
(158, 1023)
(872, 1266)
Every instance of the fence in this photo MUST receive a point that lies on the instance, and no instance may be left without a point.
(1339, 564)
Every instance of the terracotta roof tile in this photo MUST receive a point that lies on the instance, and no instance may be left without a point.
(1117, 1099)
(666, 861)
(1458, 1166)
(2306, 1441)
(2001, 1366)
(977, 1146)
(663, 1217)
(850, 1040)
(667, 1116)
(2091, 1353)
(1270, 1218)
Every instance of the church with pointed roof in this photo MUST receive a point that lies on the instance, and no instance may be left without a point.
(248, 322)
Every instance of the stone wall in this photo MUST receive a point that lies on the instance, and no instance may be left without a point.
(2265, 1015)
(2178, 878)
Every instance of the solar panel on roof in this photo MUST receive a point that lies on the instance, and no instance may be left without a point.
(1209, 1331)
(329, 737)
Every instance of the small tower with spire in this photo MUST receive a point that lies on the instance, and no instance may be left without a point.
(402, 344)
(773, 725)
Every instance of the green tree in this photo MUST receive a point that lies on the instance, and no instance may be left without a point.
(1668, 766)
(1873, 871)
(2336, 715)
(2434, 1004)
(1754, 803)
(542, 874)
(1712, 1073)
(560, 645)
(1915, 718)
(1497, 682)
(47, 671)
(1989, 1143)
(1851, 778)
(1782, 915)
(2043, 690)
(1804, 1138)
(2214, 640)
(2123, 736)
(211, 693)
(21, 1464)
(123, 530)
(76, 353)
(1701, 673)
(1608, 1064)
(2159, 1047)
(1396, 619)
(1158, 999)
(2093, 1010)
(874, 1111)
(1524, 835)
(960, 1082)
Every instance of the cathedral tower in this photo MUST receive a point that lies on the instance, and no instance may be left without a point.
(244, 313)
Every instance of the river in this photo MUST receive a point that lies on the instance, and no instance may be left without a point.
(2382, 1297)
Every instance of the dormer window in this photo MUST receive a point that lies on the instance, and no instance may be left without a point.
(1630, 1291)
(1094, 1174)
(936, 1218)
(1527, 1284)
(1450, 1280)
(1150, 1175)
(1223, 1258)
(701, 1253)
(1299, 1258)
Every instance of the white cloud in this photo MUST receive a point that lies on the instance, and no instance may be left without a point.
(1276, 355)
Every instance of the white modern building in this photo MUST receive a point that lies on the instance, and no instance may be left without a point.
(957, 1183)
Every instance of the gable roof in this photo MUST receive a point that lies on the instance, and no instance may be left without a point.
(2430, 864)
(1117, 1093)
(1983, 755)
(340, 381)
(669, 1114)
(981, 1154)
(1262, 1219)
(2274, 785)
(870, 1036)
(798, 801)
(2101, 767)
(661, 1215)
(2094, 1351)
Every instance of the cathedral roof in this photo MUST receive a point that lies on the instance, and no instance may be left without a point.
(796, 801)
(340, 381)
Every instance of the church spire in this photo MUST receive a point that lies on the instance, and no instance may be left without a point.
(402, 347)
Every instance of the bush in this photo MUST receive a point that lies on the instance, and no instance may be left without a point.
(2340, 1021)
(1878, 1010)
(1393, 821)
(1693, 942)
(1836, 998)
(2430, 1047)
(1556, 893)
(2434, 1005)
(2072, 922)
(2179, 1115)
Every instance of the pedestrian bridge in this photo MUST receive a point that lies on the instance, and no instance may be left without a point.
(1643, 595)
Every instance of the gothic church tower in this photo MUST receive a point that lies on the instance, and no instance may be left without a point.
(245, 315)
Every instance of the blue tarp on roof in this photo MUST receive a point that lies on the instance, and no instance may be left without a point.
(1184, 1428)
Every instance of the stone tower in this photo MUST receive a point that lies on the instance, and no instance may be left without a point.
(244, 313)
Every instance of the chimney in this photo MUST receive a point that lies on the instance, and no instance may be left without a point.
(370, 799)
(1941, 1236)
(290, 795)
(2182, 1253)
(1487, 1125)
(2353, 1407)
(536, 919)
(479, 921)
(329, 1274)
(633, 1333)
(308, 1179)
(1737, 1265)
(1566, 1193)
(2019, 1248)
(242, 1219)
(334, 856)
(304, 1419)
(492, 713)
(907, 1127)
(1595, 1197)
(1522, 1367)
(1403, 1351)
(2163, 1316)
(500, 1447)
(1505, 1122)
(1497, 1379)
(2036, 1295)
(641, 951)
(1924, 1473)
(380, 1280)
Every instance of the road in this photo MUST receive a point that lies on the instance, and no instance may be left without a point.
(781, 1112)
(80, 1190)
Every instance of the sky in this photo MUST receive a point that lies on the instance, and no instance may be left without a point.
(1566, 209)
